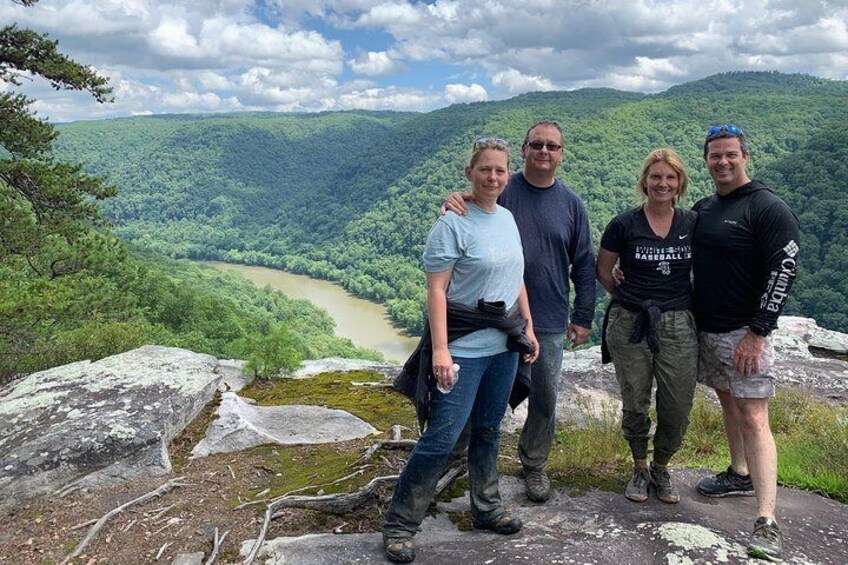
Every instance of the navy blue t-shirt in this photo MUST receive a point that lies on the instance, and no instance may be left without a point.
(557, 244)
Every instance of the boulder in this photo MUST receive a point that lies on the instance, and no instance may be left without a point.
(807, 356)
(232, 375)
(188, 559)
(317, 366)
(801, 334)
(241, 425)
(91, 424)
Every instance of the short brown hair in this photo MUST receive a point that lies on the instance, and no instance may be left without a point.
(743, 143)
(543, 123)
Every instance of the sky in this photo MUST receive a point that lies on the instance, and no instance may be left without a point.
(180, 56)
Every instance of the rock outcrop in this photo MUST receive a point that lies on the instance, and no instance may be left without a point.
(597, 527)
(89, 424)
(241, 425)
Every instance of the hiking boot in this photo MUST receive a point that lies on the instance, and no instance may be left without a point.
(666, 491)
(505, 525)
(767, 540)
(399, 550)
(726, 483)
(637, 488)
(537, 485)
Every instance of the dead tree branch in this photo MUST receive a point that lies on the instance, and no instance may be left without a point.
(331, 503)
(216, 546)
(95, 529)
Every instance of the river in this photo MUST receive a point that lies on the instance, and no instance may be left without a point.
(363, 322)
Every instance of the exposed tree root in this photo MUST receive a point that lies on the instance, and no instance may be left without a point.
(216, 546)
(386, 444)
(95, 529)
(338, 504)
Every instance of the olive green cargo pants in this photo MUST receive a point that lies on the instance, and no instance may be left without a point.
(673, 367)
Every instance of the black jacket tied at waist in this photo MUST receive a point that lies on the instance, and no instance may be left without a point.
(648, 321)
(416, 379)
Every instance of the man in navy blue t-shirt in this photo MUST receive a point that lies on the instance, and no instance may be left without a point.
(554, 228)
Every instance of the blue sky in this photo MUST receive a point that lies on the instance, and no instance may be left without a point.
(312, 55)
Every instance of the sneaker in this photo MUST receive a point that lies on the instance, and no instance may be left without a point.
(767, 540)
(537, 485)
(726, 483)
(666, 491)
(399, 550)
(505, 525)
(637, 488)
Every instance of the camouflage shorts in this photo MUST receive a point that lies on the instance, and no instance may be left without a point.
(715, 366)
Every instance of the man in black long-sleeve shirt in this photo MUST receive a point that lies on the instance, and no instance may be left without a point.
(746, 247)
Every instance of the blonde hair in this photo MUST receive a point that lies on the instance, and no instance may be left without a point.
(488, 143)
(670, 157)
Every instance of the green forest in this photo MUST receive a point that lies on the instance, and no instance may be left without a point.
(97, 216)
(350, 196)
(70, 289)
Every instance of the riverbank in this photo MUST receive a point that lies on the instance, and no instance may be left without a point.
(365, 323)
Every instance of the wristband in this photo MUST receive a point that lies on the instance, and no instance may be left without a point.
(759, 331)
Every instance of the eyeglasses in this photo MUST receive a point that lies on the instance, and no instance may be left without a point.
(729, 128)
(496, 141)
(538, 145)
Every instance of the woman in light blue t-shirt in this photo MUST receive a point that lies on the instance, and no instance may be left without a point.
(467, 258)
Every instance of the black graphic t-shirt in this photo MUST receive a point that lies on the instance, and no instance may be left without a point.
(655, 268)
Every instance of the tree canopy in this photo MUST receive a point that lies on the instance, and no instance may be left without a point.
(70, 289)
(350, 196)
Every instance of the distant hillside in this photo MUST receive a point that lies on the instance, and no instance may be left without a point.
(350, 196)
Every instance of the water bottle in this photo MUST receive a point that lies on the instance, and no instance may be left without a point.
(455, 371)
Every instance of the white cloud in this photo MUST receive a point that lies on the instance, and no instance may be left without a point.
(375, 63)
(388, 99)
(172, 37)
(392, 14)
(455, 93)
(514, 82)
(185, 55)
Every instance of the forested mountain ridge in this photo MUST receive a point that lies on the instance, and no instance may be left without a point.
(350, 196)
(71, 290)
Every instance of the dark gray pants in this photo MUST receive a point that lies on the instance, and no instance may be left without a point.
(674, 367)
(536, 439)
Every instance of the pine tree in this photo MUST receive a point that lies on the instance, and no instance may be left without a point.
(45, 206)
(49, 219)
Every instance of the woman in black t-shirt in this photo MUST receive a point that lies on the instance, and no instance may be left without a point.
(649, 330)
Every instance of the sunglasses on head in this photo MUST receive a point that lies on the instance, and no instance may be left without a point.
(496, 141)
(538, 145)
(729, 128)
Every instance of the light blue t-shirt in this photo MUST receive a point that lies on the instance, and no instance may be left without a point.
(484, 249)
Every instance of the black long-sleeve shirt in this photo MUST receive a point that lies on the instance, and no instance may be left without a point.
(745, 259)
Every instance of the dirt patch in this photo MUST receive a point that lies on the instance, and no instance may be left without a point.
(45, 530)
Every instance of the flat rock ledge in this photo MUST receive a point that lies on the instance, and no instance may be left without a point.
(600, 528)
(241, 425)
(93, 424)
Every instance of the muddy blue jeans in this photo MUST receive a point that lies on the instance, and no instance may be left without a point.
(536, 439)
(481, 394)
